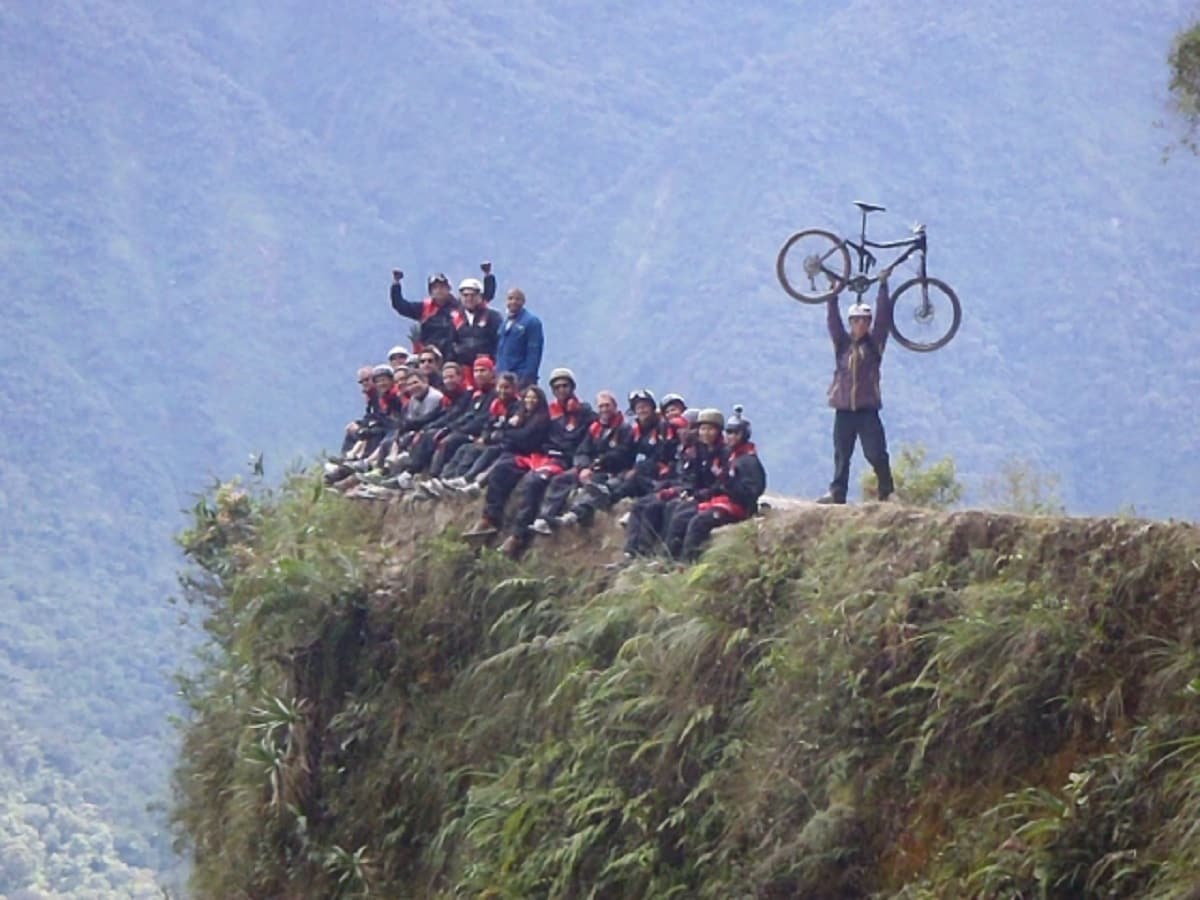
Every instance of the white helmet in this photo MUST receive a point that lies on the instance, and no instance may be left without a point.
(398, 351)
(471, 284)
(859, 310)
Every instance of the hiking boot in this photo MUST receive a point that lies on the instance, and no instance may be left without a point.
(624, 520)
(511, 546)
(433, 487)
(404, 481)
(567, 519)
(483, 528)
(830, 499)
(541, 526)
(455, 484)
(473, 489)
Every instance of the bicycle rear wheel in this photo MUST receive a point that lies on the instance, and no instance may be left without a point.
(925, 314)
(813, 265)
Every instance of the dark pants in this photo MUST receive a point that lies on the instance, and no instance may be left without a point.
(603, 496)
(678, 526)
(421, 452)
(558, 492)
(848, 427)
(470, 460)
(649, 523)
(699, 529)
(503, 479)
(531, 491)
(460, 461)
(446, 450)
(483, 463)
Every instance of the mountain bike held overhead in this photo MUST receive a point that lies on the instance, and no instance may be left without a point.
(814, 266)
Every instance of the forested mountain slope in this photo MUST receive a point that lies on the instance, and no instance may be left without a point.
(199, 207)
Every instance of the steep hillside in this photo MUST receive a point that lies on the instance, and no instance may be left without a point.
(833, 702)
(200, 203)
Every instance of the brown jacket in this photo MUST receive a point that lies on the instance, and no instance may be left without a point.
(855, 383)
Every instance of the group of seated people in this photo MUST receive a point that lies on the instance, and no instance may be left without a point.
(434, 427)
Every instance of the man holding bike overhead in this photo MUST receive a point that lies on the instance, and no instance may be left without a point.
(855, 394)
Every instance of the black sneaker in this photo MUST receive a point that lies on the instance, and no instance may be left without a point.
(830, 499)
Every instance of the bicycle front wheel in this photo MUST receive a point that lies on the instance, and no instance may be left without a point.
(813, 265)
(925, 314)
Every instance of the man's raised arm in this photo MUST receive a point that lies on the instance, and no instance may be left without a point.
(406, 308)
(882, 326)
(833, 317)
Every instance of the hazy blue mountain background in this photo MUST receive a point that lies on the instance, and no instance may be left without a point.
(199, 208)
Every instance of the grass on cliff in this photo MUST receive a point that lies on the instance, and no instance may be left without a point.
(831, 703)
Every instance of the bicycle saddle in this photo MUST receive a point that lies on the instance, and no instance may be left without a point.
(869, 207)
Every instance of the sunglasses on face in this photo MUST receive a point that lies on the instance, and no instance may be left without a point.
(428, 359)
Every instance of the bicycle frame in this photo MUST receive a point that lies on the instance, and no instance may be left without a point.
(866, 259)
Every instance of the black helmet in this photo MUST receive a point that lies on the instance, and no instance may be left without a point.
(642, 394)
(438, 278)
(739, 423)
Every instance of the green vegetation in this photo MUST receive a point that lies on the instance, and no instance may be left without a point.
(1021, 487)
(1184, 63)
(833, 702)
(54, 839)
(932, 486)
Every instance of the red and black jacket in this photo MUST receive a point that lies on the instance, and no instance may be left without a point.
(499, 414)
(391, 403)
(606, 448)
(373, 421)
(654, 447)
(438, 323)
(743, 480)
(569, 425)
(528, 435)
(478, 338)
(453, 406)
(474, 417)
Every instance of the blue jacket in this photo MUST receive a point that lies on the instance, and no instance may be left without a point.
(519, 349)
